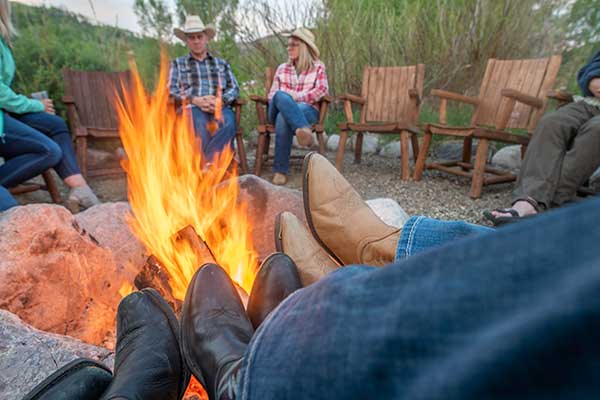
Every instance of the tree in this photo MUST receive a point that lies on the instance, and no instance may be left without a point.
(155, 18)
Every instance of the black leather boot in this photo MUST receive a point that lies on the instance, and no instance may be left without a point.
(276, 279)
(148, 363)
(215, 332)
(81, 379)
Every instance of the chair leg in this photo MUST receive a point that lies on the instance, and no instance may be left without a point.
(52, 187)
(358, 148)
(321, 141)
(339, 159)
(267, 147)
(404, 161)
(420, 163)
(81, 153)
(466, 153)
(479, 169)
(415, 145)
(523, 151)
(241, 151)
(260, 149)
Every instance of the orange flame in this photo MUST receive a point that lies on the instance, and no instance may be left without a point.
(171, 188)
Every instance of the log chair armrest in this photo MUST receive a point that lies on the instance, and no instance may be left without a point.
(259, 99)
(562, 96)
(77, 128)
(238, 102)
(323, 104)
(353, 98)
(443, 94)
(414, 95)
(522, 98)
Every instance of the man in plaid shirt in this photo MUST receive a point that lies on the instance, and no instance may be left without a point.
(197, 79)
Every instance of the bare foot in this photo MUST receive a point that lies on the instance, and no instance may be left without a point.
(522, 207)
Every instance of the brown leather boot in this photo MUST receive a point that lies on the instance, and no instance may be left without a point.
(293, 239)
(341, 222)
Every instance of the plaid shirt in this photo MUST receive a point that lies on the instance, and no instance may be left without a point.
(310, 86)
(190, 77)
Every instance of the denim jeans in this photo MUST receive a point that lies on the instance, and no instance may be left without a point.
(33, 143)
(510, 314)
(287, 116)
(6, 199)
(421, 233)
(223, 136)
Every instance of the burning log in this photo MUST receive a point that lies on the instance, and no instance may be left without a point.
(153, 275)
(156, 276)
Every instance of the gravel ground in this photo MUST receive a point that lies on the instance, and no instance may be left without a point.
(438, 195)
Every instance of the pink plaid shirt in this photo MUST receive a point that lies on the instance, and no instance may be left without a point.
(309, 86)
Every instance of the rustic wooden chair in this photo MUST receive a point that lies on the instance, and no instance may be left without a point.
(389, 104)
(512, 95)
(49, 185)
(266, 129)
(91, 109)
(89, 97)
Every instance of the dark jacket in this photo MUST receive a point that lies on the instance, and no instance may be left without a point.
(587, 73)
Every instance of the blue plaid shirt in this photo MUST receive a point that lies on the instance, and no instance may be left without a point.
(190, 77)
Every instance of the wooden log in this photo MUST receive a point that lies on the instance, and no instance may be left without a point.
(153, 275)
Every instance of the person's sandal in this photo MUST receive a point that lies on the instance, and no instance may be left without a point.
(514, 215)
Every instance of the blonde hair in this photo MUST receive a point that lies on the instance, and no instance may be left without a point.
(7, 30)
(306, 58)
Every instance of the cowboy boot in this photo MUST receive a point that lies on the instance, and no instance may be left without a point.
(215, 331)
(293, 239)
(341, 222)
(148, 363)
(81, 379)
(276, 279)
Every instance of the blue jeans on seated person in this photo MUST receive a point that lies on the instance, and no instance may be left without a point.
(287, 116)
(6, 199)
(222, 138)
(514, 313)
(33, 143)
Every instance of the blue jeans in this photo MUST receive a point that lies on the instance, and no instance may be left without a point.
(6, 199)
(33, 143)
(287, 116)
(223, 136)
(509, 314)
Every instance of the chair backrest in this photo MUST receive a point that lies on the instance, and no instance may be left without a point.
(386, 90)
(533, 77)
(94, 94)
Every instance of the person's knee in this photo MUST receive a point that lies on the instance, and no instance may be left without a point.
(281, 95)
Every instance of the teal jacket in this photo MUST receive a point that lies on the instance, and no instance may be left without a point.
(9, 100)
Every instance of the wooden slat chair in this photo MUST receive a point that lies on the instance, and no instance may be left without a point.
(49, 185)
(91, 109)
(512, 95)
(389, 104)
(266, 129)
(90, 100)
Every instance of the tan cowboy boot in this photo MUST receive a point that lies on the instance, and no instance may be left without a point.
(292, 238)
(341, 222)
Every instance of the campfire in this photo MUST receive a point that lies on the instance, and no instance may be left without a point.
(185, 211)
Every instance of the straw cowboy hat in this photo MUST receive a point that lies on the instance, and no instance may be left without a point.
(194, 24)
(307, 37)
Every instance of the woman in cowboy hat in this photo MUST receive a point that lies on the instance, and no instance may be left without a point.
(298, 85)
(195, 79)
